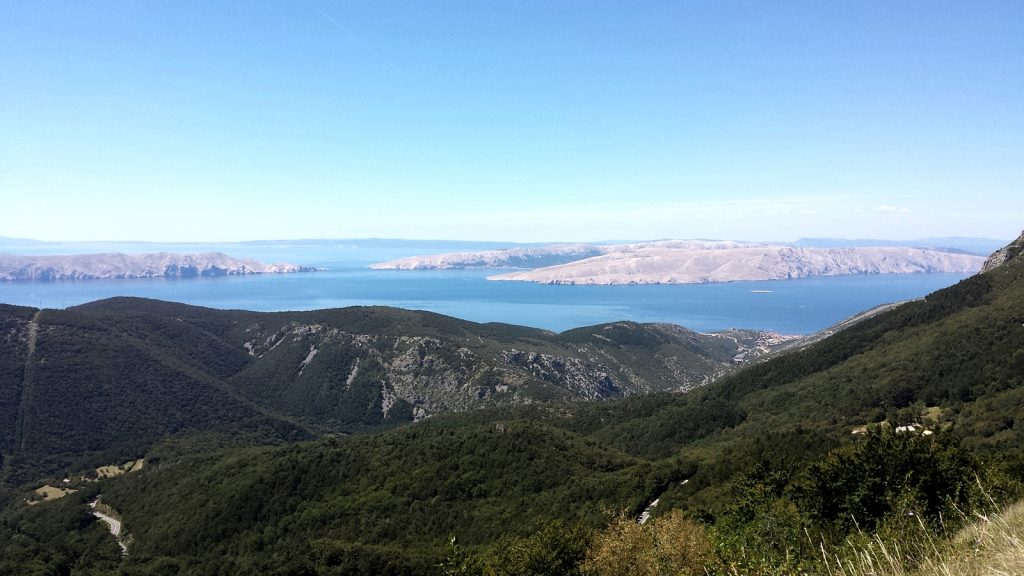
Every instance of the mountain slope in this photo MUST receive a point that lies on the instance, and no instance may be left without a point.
(128, 371)
(387, 503)
(398, 495)
(91, 383)
(955, 352)
(953, 361)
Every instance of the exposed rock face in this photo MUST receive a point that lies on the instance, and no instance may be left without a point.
(510, 258)
(1004, 254)
(541, 256)
(670, 265)
(114, 265)
(437, 374)
(692, 262)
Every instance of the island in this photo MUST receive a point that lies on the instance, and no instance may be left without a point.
(117, 265)
(699, 261)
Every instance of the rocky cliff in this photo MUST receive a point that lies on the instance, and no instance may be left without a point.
(1004, 254)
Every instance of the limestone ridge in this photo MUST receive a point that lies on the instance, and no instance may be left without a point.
(116, 265)
(1004, 254)
(661, 265)
(538, 257)
(505, 258)
(693, 262)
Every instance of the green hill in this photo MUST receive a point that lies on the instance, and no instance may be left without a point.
(777, 462)
(116, 375)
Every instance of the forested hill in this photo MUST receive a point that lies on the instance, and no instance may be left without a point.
(752, 447)
(125, 371)
(770, 466)
(952, 361)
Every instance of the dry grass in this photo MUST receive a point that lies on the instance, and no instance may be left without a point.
(932, 414)
(109, 471)
(115, 470)
(48, 493)
(991, 545)
(670, 544)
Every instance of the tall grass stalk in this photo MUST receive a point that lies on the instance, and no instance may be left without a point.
(990, 545)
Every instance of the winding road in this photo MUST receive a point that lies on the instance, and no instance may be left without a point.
(113, 523)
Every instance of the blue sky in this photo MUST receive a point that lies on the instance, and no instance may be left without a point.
(513, 121)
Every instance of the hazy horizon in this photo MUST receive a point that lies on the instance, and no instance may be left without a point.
(455, 240)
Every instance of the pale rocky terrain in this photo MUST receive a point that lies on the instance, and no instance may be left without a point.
(539, 256)
(436, 375)
(116, 265)
(999, 257)
(661, 264)
(509, 258)
(691, 262)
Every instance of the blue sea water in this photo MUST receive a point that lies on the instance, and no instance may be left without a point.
(786, 306)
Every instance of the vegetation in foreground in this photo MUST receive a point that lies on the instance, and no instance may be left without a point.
(889, 504)
(502, 499)
(796, 465)
(988, 544)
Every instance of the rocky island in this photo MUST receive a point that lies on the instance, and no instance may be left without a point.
(536, 257)
(506, 258)
(698, 261)
(116, 265)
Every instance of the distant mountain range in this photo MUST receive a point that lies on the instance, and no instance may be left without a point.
(27, 245)
(980, 246)
(116, 265)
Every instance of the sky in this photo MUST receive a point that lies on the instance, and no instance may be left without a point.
(521, 120)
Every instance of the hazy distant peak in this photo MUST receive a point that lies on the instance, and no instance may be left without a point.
(979, 246)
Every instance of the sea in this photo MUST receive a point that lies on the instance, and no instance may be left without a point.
(802, 306)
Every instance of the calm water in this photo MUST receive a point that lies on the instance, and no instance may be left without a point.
(788, 306)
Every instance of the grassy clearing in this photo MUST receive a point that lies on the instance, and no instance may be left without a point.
(47, 493)
(990, 545)
(117, 470)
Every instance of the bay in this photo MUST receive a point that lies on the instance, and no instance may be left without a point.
(787, 306)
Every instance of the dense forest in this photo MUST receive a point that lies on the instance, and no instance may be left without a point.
(894, 431)
(123, 373)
